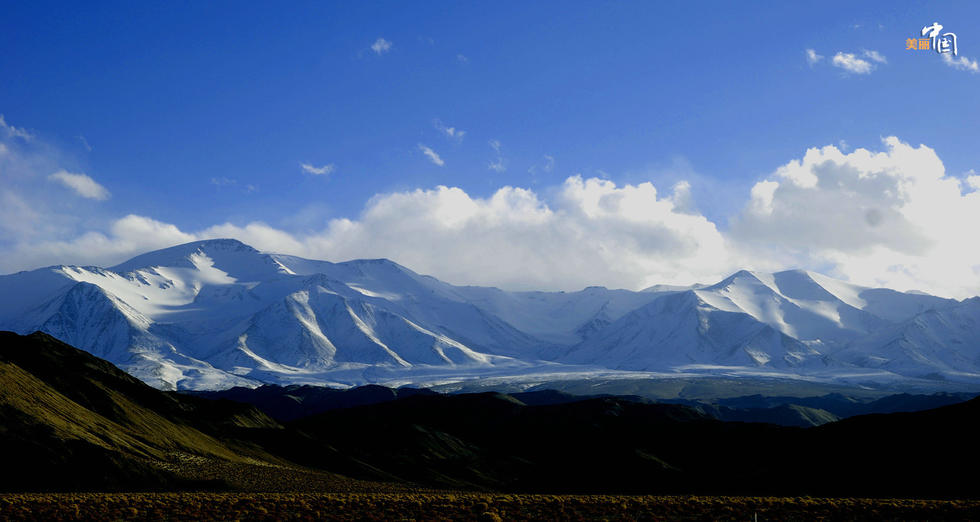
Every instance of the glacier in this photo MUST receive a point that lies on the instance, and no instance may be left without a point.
(218, 313)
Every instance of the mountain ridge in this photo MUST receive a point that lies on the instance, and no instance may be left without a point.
(213, 314)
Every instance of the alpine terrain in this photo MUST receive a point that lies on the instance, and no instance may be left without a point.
(218, 313)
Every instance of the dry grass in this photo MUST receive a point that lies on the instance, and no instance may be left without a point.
(258, 476)
(464, 506)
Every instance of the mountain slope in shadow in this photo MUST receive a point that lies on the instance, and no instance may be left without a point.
(70, 421)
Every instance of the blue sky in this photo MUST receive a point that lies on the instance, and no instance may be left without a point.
(200, 114)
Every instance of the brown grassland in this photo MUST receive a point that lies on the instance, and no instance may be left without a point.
(464, 506)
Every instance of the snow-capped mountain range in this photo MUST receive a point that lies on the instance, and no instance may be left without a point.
(218, 313)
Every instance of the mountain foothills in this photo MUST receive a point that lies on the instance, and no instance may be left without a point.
(71, 421)
(215, 314)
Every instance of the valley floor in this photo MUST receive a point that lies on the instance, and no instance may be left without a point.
(465, 506)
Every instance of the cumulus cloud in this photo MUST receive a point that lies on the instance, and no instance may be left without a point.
(83, 185)
(432, 155)
(891, 218)
(381, 46)
(851, 63)
(317, 171)
(812, 57)
(125, 237)
(620, 236)
(961, 63)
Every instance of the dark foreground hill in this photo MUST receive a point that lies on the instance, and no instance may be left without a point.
(495, 442)
(70, 421)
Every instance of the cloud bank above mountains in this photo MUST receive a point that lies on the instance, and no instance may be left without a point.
(890, 218)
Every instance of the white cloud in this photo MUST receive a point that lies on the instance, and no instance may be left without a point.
(812, 57)
(381, 46)
(594, 230)
(432, 155)
(14, 132)
(451, 132)
(82, 185)
(851, 63)
(462, 59)
(125, 237)
(499, 164)
(874, 56)
(317, 171)
(891, 218)
(961, 63)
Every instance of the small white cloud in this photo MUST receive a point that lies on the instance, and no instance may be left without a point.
(223, 182)
(85, 143)
(82, 185)
(851, 63)
(432, 155)
(812, 57)
(549, 165)
(318, 171)
(842, 144)
(875, 56)
(499, 164)
(381, 46)
(14, 132)
(450, 132)
(462, 59)
(962, 63)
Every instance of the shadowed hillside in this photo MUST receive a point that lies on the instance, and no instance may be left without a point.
(70, 421)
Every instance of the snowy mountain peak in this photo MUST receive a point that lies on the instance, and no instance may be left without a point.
(743, 278)
(216, 313)
(230, 256)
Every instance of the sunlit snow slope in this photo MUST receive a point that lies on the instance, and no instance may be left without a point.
(218, 313)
